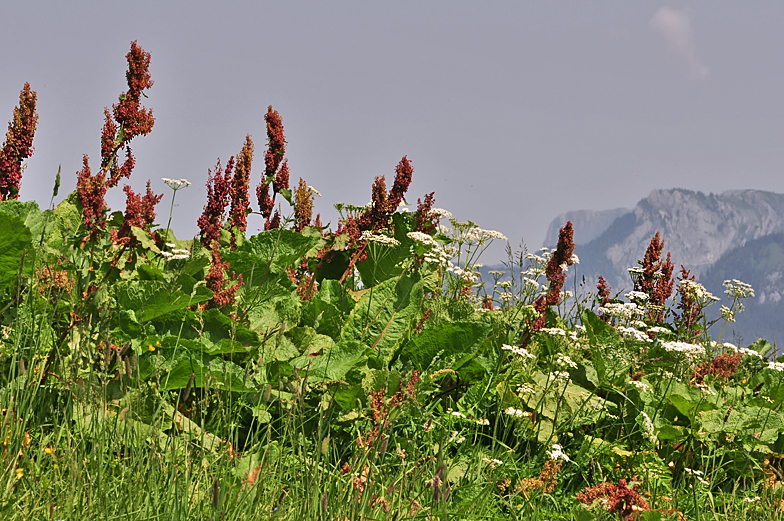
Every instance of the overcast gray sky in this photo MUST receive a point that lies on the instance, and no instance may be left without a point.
(511, 111)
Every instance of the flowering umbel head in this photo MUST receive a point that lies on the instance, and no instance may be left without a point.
(18, 144)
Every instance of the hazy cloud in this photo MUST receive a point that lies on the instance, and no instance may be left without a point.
(675, 27)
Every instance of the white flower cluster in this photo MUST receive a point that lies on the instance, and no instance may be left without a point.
(441, 213)
(648, 430)
(557, 453)
(641, 386)
(697, 475)
(565, 362)
(493, 462)
(456, 438)
(559, 375)
(776, 366)
(751, 499)
(457, 414)
(526, 389)
(468, 275)
(422, 238)
(482, 421)
(531, 285)
(697, 291)
(478, 235)
(690, 350)
(625, 311)
(575, 259)
(736, 289)
(742, 350)
(637, 295)
(517, 413)
(659, 330)
(635, 334)
(175, 254)
(505, 284)
(519, 351)
(727, 314)
(176, 184)
(705, 388)
(440, 255)
(380, 239)
(553, 331)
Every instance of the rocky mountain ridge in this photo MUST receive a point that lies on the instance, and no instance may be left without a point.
(699, 230)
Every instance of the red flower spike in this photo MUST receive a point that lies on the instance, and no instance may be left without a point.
(108, 135)
(266, 205)
(425, 221)
(603, 290)
(562, 256)
(403, 173)
(273, 223)
(18, 144)
(218, 187)
(303, 206)
(276, 142)
(240, 185)
(281, 181)
(91, 191)
(224, 291)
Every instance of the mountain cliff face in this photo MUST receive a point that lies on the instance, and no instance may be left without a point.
(697, 228)
(717, 236)
(590, 223)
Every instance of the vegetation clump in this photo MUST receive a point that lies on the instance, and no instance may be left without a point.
(365, 372)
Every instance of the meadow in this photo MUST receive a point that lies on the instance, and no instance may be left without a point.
(365, 372)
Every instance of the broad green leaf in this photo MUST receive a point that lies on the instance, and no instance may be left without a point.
(325, 317)
(384, 314)
(32, 216)
(151, 299)
(67, 220)
(283, 247)
(15, 243)
(144, 239)
(449, 338)
(332, 361)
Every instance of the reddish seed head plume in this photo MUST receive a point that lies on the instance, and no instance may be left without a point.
(223, 290)
(273, 223)
(403, 173)
(139, 212)
(281, 181)
(266, 205)
(425, 220)
(18, 144)
(562, 256)
(91, 191)
(218, 187)
(603, 290)
(277, 142)
(131, 119)
(240, 185)
(303, 205)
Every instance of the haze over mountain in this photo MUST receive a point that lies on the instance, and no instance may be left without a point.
(738, 234)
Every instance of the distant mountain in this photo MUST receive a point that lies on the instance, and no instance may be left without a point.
(590, 223)
(759, 262)
(729, 235)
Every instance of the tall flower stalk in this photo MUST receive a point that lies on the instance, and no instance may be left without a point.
(127, 120)
(18, 144)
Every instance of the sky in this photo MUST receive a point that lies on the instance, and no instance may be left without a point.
(512, 112)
